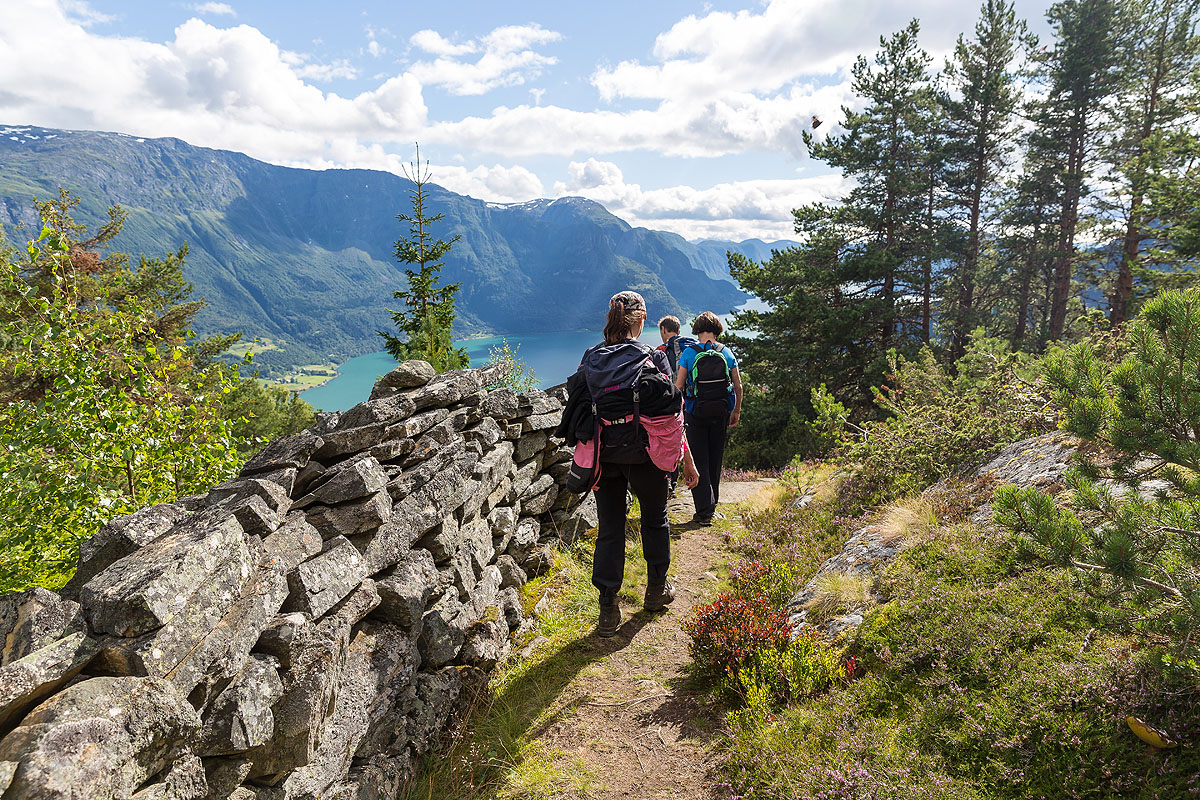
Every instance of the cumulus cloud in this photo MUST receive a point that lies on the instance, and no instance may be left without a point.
(215, 9)
(506, 58)
(220, 87)
(737, 210)
(81, 12)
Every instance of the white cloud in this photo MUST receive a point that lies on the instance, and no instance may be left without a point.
(737, 210)
(215, 9)
(82, 13)
(323, 73)
(506, 59)
(220, 87)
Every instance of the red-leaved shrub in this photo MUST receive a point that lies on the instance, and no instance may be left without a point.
(729, 630)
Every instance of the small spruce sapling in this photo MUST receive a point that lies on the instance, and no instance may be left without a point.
(424, 323)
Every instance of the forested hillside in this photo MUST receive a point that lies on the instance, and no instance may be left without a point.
(304, 257)
(1035, 191)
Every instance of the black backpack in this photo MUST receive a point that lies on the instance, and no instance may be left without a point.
(709, 381)
(612, 370)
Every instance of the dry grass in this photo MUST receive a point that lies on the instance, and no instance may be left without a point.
(912, 520)
(837, 594)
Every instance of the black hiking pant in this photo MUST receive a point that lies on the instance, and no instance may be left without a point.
(706, 440)
(649, 484)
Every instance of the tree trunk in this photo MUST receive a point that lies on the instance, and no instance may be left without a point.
(1068, 221)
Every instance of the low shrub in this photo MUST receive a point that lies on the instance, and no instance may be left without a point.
(728, 632)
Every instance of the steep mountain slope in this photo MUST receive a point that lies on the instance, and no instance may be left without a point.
(304, 257)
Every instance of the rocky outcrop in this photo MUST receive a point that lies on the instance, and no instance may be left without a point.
(306, 630)
(1038, 462)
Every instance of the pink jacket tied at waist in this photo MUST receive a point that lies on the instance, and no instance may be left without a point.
(667, 443)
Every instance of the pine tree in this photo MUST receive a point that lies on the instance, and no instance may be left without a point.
(1143, 418)
(426, 321)
(984, 94)
(854, 288)
(1157, 104)
(1080, 78)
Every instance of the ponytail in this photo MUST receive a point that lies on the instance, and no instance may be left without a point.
(623, 314)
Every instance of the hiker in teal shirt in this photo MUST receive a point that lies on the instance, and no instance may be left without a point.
(712, 386)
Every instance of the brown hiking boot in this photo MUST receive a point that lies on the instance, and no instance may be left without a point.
(658, 597)
(610, 618)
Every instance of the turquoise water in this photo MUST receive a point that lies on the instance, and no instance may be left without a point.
(551, 356)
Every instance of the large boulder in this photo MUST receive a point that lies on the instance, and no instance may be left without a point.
(34, 618)
(121, 537)
(31, 679)
(287, 451)
(346, 482)
(353, 518)
(202, 556)
(404, 592)
(408, 375)
(240, 718)
(100, 739)
(320, 583)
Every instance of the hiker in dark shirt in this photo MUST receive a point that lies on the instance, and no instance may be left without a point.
(660, 438)
(673, 344)
(712, 389)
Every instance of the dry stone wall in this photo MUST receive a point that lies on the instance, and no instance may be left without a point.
(305, 631)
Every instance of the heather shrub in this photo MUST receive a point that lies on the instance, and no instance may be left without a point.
(984, 678)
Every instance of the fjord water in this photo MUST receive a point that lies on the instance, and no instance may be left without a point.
(551, 356)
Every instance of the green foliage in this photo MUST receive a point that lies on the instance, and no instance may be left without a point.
(260, 413)
(426, 321)
(517, 374)
(938, 422)
(1139, 528)
(103, 415)
(727, 633)
(770, 433)
(982, 680)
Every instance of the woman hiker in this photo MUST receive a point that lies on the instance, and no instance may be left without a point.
(712, 385)
(640, 446)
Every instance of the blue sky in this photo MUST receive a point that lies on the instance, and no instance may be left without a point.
(682, 116)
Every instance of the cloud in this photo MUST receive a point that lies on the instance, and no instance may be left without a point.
(82, 13)
(215, 9)
(506, 58)
(219, 87)
(738, 210)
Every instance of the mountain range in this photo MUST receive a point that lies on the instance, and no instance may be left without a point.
(303, 258)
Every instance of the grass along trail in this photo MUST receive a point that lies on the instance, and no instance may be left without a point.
(584, 717)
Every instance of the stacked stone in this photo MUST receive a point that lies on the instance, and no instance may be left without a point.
(303, 631)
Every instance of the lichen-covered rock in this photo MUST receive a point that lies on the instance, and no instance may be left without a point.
(443, 630)
(502, 404)
(539, 402)
(524, 539)
(486, 432)
(404, 592)
(343, 442)
(351, 519)
(294, 543)
(34, 618)
(510, 573)
(121, 537)
(392, 408)
(414, 478)
(346, 482)
(146, 589)
(185, 780)
(101, 738)
(408, 375)
(311, 655)
(541, 422)
(417, 424)
(529, 445)
(240, 717)
(256, 517)
(286, 451)
(34, 677)
(541, 502)
(503, 522)
(487, 642)
(239, 489)
(320, 583)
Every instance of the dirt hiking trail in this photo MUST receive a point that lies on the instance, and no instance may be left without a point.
(629, 721)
